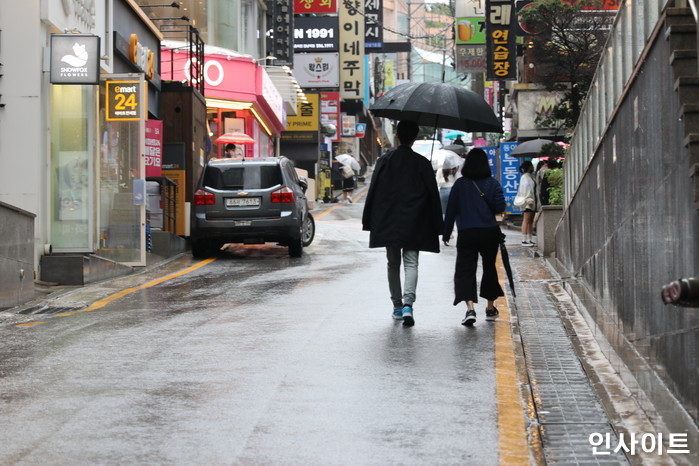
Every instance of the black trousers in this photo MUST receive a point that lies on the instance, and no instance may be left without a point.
(470, 243)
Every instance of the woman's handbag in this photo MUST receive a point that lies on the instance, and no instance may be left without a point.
(520, 201)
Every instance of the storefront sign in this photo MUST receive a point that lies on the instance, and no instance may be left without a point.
(373, 24)
(501, 40)
(154, 147)
(302, 7)
(470, 59)
(75, 59)
(142, 56)
(349, 125)
(470, 30)
(330, 111)
(123, 100)
(509, 175)
(280, 38)
(351, 50)
(316, 34)
(317, 69)
(307, 115)
(360, 130)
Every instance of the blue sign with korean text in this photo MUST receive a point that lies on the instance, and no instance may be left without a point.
(492, 153)
(509, 175)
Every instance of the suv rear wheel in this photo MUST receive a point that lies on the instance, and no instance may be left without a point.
(296, 247)
(308, 230)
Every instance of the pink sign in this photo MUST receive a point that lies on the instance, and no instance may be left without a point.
(154, 147)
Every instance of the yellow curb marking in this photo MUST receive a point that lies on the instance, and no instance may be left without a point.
(30, 324)
(512, 432)
(111, 298)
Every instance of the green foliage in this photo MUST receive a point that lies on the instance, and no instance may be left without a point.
(566, 52)
(555, 179)
(441, 9)
(552, 149)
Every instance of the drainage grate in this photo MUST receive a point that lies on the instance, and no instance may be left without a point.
(567, 407)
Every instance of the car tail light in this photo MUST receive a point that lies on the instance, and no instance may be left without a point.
(283, 195)
(202, 197)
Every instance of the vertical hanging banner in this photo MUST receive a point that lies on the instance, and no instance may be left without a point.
(373, 20)
(280, 36)
(351, 50)
(500, 40)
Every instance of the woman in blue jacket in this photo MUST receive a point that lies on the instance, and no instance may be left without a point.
(474, 201)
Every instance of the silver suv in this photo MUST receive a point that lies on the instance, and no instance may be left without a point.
(250, 201)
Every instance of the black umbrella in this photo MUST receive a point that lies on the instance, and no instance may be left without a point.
(506, 263)
(457, 148)
(529, 148)
(439, 105)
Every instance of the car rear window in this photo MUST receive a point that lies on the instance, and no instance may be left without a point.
(251, 176)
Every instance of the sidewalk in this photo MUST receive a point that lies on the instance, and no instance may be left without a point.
(573, 391)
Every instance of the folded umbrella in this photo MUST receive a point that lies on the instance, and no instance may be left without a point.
(506, 263)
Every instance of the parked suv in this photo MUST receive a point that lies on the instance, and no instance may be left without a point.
(250, 201)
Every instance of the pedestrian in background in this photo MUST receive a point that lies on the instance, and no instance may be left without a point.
(403, 214)
(459, 141)
(474, 201)
(529, 205)
(230, 150)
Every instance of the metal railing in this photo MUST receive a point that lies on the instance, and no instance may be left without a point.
(635, 23)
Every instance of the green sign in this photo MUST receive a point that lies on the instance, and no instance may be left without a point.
(470, 30)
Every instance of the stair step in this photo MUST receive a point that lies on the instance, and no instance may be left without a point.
(688, 88)
(691, 142)
(689, 114)
(682, 36)
(677, 16)
(684, 62)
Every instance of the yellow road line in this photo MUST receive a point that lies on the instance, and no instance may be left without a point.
(512, 431)
(327, 211)
(111, 298)
(30, 324)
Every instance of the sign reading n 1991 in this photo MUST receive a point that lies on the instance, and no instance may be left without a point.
(123, 100)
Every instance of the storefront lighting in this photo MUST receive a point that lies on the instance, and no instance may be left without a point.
(261, 121)
(228, 104)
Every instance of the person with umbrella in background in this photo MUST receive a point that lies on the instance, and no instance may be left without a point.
(349, 167)
(403, 214)
(474, 201)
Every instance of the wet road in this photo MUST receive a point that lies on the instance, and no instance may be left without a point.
(255, 358)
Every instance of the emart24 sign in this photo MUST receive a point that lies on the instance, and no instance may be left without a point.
(123, 100)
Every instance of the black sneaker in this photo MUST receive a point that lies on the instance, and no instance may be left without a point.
(469, 319)
(491, 314)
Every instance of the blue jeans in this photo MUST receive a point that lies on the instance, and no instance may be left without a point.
(444, 198)
(402, 296)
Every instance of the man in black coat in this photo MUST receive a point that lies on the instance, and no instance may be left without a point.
(404, 215)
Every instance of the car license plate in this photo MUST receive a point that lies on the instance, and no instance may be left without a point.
(242, 223)
(242, 201)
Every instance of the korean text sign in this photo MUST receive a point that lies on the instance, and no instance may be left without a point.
(500, 40)
(509, 175)
(351, 50)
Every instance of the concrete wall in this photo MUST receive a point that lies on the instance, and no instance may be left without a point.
(16, 256)
(632, 227)
(24, 136)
